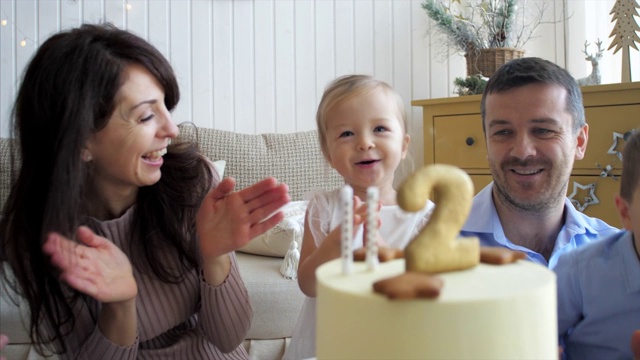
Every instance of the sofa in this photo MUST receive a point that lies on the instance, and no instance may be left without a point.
(292, 158)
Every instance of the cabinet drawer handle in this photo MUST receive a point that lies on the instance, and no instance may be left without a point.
(470, 141)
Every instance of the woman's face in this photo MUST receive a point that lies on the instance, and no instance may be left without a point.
(127, 153)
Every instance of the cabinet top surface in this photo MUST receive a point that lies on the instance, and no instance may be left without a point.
(586, 90)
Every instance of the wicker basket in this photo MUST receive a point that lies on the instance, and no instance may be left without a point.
(487, 61)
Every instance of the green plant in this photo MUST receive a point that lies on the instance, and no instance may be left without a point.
(483, 24)
(470, 85)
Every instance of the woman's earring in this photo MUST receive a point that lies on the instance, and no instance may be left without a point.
(86, 156)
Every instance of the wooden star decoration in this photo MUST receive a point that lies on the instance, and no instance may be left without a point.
(590, 199)
(612, 150)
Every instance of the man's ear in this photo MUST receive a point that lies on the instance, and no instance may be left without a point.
(405, 145)
(623, 212)
(581, 141)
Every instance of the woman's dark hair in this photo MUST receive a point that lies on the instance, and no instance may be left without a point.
(67, 94)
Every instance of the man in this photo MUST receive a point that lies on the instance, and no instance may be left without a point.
(534, 125)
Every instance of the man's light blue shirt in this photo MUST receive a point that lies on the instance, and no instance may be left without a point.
(599, 298)
(578, 229)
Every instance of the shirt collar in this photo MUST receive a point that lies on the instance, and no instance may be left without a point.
(483, 210)
(576, 221)
(483, 213)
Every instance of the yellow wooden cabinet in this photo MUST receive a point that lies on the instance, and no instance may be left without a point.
(453, 135)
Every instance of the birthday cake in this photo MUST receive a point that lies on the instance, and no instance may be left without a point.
(486, 312)
(482, 311)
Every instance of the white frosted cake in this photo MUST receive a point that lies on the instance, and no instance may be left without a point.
(485, 312)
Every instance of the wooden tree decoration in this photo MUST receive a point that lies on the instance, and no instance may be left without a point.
(624, 32)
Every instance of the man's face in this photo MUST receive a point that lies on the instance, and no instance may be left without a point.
(531, 146)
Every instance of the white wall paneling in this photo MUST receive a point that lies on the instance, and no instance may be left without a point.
(325, 55)
(180, 37)
(363, 39)
(222, 50)
(8, 71)
(305, 67)
(264, 62)
(284, 66)
(258, 66)
(201, 70)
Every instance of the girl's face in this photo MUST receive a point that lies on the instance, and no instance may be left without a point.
(127, 153)
(366, 140)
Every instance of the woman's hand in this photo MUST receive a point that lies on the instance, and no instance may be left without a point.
(4, 340)
(96, 266)
(228, 220)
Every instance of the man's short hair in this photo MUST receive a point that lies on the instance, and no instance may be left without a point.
(533, 70)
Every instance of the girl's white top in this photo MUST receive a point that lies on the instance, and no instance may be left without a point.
(324, 214)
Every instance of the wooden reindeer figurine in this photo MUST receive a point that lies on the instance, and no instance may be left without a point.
(594, 77)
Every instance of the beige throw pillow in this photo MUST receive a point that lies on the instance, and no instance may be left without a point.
(275, 242)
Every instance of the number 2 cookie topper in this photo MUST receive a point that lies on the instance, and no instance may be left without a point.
(437, 247)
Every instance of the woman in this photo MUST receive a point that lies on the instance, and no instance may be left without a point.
(116, 237)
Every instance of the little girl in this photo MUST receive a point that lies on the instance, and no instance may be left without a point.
(362, 131)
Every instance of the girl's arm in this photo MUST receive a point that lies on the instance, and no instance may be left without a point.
(312, 256)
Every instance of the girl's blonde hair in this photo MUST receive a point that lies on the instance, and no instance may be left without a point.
(342, 89)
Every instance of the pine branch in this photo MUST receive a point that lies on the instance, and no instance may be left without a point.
(483, 24)
(450, 26)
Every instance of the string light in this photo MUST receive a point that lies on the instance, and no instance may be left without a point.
(5, 21)
(128, 6)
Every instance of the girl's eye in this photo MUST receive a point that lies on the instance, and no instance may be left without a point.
(346, 133)
(380, 129)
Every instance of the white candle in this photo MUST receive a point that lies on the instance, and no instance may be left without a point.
(372, 227)
(346, 239)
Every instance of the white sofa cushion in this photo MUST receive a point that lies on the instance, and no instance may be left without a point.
(276, 301)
